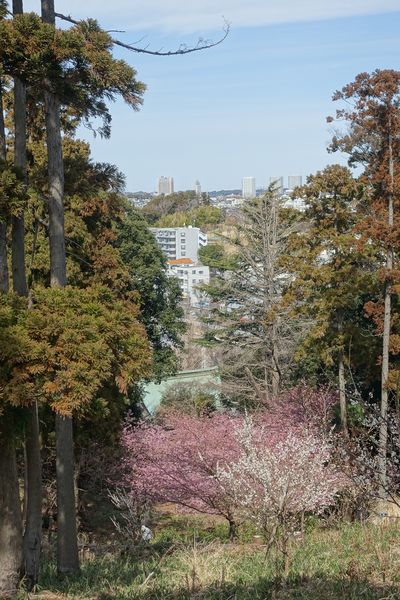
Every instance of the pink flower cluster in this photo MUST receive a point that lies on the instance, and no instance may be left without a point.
(207, 464)
(178, 461)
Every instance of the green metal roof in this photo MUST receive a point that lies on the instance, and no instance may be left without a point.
(153, 392)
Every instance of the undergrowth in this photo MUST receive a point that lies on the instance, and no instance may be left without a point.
(191, 558)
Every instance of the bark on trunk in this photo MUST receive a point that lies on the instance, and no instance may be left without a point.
(342, 379)
(10, 520)
(33, 526)
(18, 245)
(33, 469)
(383, 429)
(10, 508)
(342, 395)
(275, 371)
(3, 256)
(58, 269)
(3, 222)
(18, 226)
(383, 432)
(233, 532)
(67, 542)
(67, 546)
(3, 145)
(272, 233)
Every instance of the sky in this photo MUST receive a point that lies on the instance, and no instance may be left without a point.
(256, 105)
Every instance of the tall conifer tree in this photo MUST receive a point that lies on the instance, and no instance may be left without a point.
(10, 511)
(373, 141)
(67, 541)
(33, 474)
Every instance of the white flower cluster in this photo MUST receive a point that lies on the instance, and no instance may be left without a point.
(273, 484)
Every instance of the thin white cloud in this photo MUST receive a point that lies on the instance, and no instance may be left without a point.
(188, 16)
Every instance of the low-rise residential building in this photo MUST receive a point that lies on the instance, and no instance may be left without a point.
(289, 201)
(191, 276)
(180, 242)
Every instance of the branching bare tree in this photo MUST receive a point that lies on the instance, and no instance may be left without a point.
(252, 322)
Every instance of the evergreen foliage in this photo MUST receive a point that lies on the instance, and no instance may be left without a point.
(159, 295)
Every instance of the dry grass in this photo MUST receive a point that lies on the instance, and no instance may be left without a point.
(350, 562)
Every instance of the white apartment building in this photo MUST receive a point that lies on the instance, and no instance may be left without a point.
(180, 242)
(165, 185)
(190, 276)
(248, 187)
(294, 181)
(291, 202)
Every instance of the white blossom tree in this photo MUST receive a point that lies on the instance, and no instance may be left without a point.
(279, 478)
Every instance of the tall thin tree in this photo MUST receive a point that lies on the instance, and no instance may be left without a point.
(3, 222)
(10, 510)
(387, 315)
(33, 474)
(67, 541)
(373, 141)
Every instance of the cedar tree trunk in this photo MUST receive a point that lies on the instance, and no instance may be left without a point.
(67, 542)
(383, 430)
(342, 395)
(33, 470)
(10, 518)
(33, 474)
(67, 545)
(3, 223)
(10, 508)
(342, 381)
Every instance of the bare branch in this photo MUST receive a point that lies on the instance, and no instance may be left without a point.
(183, 49)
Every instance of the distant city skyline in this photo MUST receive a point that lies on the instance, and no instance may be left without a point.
(247, 185)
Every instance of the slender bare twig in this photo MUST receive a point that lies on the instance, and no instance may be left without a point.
(183, 49)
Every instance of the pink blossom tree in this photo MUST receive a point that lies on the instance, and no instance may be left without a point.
(178, 462)
(186, 459)
(306, 407)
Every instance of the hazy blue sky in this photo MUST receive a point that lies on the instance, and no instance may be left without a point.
(255, 105)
